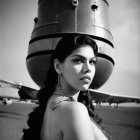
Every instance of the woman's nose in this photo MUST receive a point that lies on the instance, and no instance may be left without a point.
(86, 67)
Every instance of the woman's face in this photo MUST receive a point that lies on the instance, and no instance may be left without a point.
(78, 69)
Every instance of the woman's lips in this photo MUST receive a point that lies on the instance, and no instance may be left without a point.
(85, 79)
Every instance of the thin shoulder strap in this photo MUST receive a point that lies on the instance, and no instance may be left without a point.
(54, 104)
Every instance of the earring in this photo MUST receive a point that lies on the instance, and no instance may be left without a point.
(58, 82)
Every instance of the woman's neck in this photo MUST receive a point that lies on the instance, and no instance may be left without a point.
(67, 92)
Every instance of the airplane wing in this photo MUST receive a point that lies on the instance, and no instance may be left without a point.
(100, 97)
(23, 91)
(4, 84)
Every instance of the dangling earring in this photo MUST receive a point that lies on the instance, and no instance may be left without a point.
(58, 82)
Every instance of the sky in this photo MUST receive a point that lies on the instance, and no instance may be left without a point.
(16, 25)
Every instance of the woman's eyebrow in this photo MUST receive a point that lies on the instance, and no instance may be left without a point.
(78, 55)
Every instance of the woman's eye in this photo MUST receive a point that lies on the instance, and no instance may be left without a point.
(92, 62)
(77, 60)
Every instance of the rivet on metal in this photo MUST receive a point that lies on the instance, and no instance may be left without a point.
(75, 3)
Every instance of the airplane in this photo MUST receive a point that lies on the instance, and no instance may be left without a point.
(96, 96)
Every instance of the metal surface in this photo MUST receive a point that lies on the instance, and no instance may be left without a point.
(66, 17)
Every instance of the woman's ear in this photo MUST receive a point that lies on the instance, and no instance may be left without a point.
(57, 66)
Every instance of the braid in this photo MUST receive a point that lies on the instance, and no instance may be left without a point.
(36, 117)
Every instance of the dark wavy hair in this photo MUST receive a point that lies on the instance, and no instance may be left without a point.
(63, 49)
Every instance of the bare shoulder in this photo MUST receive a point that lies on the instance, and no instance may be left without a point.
(74, 120)
(65, 106)
(74, 108)
(75, 112)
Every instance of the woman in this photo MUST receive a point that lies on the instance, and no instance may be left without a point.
(61, 115)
